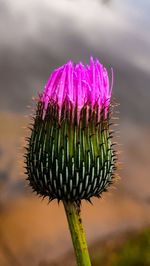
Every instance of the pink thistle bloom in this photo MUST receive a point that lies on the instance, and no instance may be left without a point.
(70, 154)
(79, 85)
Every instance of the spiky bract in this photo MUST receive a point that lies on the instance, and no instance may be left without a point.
(70, 158)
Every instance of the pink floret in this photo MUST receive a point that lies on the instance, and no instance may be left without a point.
(78, 84)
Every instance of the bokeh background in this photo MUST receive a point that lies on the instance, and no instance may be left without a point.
(36, 37)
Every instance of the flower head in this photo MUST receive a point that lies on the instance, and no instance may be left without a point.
(78, 85)
(69, 155)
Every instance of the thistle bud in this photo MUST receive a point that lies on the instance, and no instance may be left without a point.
(69, 155)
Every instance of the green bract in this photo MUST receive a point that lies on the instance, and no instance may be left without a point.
(69, 158)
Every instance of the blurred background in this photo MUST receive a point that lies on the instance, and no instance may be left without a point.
(36, 37)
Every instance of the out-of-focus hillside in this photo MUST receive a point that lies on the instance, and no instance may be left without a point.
(12, 141)
(33, 231)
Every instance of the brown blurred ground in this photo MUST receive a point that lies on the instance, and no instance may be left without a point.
(33, 232)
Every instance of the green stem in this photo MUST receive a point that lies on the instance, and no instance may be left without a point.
(77, 234)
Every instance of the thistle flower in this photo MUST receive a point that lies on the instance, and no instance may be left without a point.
(69, 154)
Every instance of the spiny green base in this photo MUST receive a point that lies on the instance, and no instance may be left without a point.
(70, 161)
(77, 234)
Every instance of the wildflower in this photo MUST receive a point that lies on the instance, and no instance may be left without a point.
(70, 155)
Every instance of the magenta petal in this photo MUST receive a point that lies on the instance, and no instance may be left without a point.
(80, 85)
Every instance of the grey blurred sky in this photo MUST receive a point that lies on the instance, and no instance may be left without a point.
(37, 36)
